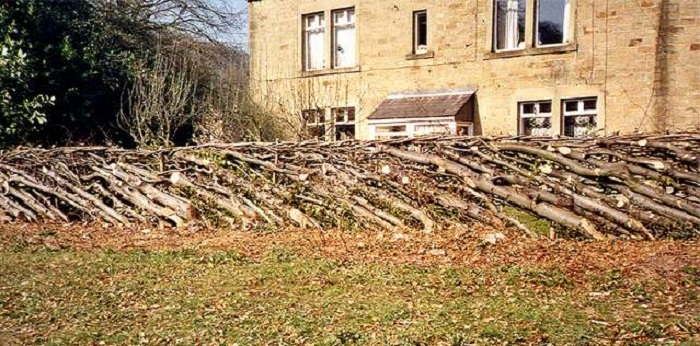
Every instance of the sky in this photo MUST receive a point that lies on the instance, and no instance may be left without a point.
(240, 37)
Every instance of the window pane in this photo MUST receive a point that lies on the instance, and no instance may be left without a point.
(345, 46)
(315, 42)
(311, 116)
(387, 129)
(344, 39)
(579, 125)
(436, 129)
(551, 24)
(351, 113)
(318, 132)
(343, 132)
(590, 105)
(315, 50)
(421, 23)
(545, 107)
(571, 106)
(578, 118)
(339, 114)
(339, 17)
(310, 21)
(528, 108)
(536, 126)
(509, 28)
(464, 130)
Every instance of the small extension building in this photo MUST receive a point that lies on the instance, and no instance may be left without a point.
(371, 69)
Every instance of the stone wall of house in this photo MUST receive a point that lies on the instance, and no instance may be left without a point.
(640, 58)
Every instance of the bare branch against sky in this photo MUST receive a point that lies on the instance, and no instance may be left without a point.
(239, 36)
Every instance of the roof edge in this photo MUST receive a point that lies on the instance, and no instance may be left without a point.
(431, 93)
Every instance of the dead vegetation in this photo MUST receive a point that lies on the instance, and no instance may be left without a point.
(630, 187)
(70, 284)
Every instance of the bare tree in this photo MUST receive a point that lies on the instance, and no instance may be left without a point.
(161, 100)
(208, 19)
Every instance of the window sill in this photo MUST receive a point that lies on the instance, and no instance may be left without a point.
(567, 48)
(428, 55)
(328, 71)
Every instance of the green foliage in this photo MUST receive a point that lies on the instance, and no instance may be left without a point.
(20, 109)
(67, 66)
(61, 74)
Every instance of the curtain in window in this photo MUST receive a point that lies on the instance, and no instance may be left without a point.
(345, 46)
(315, 43)
(509, 24)
(512, 36)
(345, 42)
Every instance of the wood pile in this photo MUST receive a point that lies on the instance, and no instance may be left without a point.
(624, 186)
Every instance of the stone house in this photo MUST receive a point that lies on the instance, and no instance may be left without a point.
(393, 68)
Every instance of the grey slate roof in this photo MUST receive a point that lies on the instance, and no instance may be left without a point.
(423, 104)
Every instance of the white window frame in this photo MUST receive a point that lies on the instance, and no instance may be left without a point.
(411, 124)
(444, 129)
(523, 116)
(580, 111)
(317, 117)
(345, 121)
(565, 27)
(391, 134)
(345, 117)
(316, 122)
(346, 23)
(418, 48)
(465, 125)
(318, 26)
(521, 45)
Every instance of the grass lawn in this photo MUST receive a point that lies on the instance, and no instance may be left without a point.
(283, 296)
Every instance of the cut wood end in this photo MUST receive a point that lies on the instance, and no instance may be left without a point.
(175, 178)
(386, 169)
(470, 182)
(642, 142)
(564, 150)
(658, 165)
(588, 227)
(546, 169)
(621, 201)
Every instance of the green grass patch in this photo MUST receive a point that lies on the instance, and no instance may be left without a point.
(190, 297)
(534, 223)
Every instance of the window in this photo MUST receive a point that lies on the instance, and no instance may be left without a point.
(465, 129)
(432, 129)
(344, 42)
(509, 24)
(552, 22)
(549, 21)
(420, 32)
(536, 118)
(579, 116)
(315, 120)
(344, 122)
(391, 131)
(314, 30)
